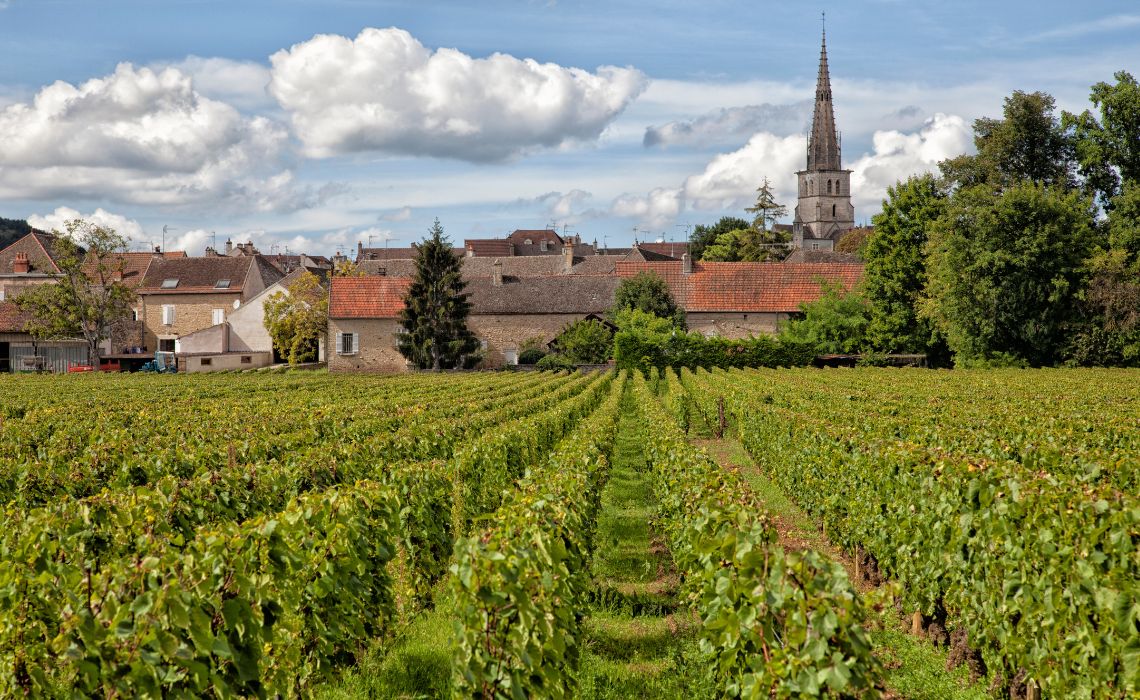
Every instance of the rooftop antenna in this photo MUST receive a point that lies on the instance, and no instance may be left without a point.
(166, 229)
(605, 245)
(214, 241)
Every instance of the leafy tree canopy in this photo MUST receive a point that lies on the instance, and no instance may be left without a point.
(1108, 149)
(1005, 271)
(298, 320)
(704, 236)
(834, 323)
(585, 342)
(1028, 143)
(755, 242)
(648, 292)
(895, 273)
(434, 317)
(89, 298)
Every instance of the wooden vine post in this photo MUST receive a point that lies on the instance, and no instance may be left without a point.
(719, 417)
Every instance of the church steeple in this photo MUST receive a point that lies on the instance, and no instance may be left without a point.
(823, 144)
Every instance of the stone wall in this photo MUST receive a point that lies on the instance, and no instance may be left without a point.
(509, 331)
(736, 325)
(377, 346)
(192, 312)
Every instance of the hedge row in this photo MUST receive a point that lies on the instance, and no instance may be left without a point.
(640, 351)
(776, 624)
(521, 583)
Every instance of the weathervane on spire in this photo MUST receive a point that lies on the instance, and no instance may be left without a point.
(823, 22)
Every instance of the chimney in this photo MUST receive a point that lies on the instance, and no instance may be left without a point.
(567, 258)
(229, 247)
(21, 265)
(497, 273)
(686, 263)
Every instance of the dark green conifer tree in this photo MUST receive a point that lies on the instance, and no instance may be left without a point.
(435, 311)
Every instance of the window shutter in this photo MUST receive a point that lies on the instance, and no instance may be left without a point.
(219, 316)
(168, 314)
(355, 343)
(339, 343)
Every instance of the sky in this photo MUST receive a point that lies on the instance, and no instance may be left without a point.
(309, 126)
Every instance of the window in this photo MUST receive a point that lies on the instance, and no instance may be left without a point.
(206, 361)
(170, 283)
(528, 242)
(134, 314)
(2, 295)
(166, 344)
(168, 314)
(833, 211)
(219, 316)
(246, 360)
(510, 357)
(222, 284)
(347, 343)
(829, 186)
(811, 186)
(542, 245)
(815, 246)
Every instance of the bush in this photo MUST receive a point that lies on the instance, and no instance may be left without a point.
(531, 356)
(585, 342)
(556, 362)
(634, 349)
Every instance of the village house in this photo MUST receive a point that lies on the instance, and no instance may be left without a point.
(242, 341)
(178, 297)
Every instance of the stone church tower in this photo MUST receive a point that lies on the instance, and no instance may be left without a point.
(824, 211)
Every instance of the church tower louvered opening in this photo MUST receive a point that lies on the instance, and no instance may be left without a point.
(823, 211)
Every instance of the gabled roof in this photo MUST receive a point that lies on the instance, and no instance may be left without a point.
(528, 266)
(200, 275)
(561, 294)
(134, 265)
(639, 253)
(489, 247)
(668, 250)
(12, 319)
(408, 253)
(746, 287)
(367, 297)
(41, 251)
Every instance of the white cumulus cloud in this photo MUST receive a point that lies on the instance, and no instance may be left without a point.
(144, 137)
(729, 180)
(57, 221)
(897, 155)
(385, 91)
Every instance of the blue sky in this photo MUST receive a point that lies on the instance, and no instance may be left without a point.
(314, 125)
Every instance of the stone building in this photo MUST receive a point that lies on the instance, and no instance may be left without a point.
(823, 211)
(180, 296)
(737, 300)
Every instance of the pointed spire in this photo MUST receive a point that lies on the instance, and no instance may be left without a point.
(823, 145)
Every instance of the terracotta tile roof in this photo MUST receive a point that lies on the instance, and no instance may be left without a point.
(12, 320)
(671, 250)
(520, 235)
(367, 297)
(526, 266)
(408, 253)
(799, 255)
(41, 252)
(746, 287)
(201, 274)
(489, 247)
(134, 266)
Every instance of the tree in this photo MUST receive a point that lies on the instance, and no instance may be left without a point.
(585, 342)
(435, 310)
(298, 320)
(648, 292)
(834, 323)
(704, 236)
(728, 246)
(1028, 143)
(90, 297)
(1107, 149)
(766, 210)
(1005, 271)
(895, 273)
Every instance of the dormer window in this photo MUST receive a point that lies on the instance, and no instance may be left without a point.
(170, 283)
(528, 242)
(222, 284)
(542, 246)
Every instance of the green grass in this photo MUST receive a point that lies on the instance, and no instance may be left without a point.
(914, 669)
(416, 664)
(640, 642)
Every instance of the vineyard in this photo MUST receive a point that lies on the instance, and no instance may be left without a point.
(570, 535)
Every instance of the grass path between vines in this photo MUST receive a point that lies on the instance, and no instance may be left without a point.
(640, 642)
(914, 669)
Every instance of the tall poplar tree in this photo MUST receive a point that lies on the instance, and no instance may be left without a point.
(435, 311)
